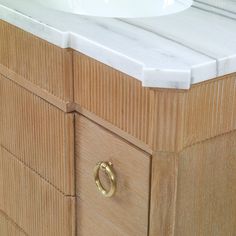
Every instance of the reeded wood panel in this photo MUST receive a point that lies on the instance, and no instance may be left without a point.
(8, 227)
(183, 118)
(164, 119)
(45, 65)
(206, 195)
(210, 109)
(112, 95)
(39, 134)
(126, 213)
(34, 204)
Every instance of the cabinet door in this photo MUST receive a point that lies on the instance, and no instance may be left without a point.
(126, 212)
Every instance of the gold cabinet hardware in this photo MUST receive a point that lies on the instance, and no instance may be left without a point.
(106, 167)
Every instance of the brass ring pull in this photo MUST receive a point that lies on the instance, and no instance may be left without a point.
(107, 167)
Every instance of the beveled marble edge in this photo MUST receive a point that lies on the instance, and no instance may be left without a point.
(147, 56)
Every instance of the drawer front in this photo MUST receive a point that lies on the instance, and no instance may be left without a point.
(125, 213)
(35, 205)
(40, 63)
(38, 134)
(9, 227)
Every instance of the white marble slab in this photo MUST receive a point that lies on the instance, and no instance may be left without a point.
(204, 32)
(221, 7)
(161, 52)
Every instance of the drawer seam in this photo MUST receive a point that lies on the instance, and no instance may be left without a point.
(36, 173)
(12, 221)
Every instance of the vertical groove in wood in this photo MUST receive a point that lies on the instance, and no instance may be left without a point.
(113, 96)
(164, 119)
(35, 205)
(210, 110)
(183, 118)
(45, 65)
(37, 133)
(168, 120)
(8, 227)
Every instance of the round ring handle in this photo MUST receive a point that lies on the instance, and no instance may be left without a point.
(106, 167)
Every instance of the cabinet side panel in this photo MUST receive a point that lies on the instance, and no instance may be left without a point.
(183, 118)
(210, 110)
(206, 198)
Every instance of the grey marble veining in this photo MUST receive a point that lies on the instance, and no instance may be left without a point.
(222, 7)
(170, 52)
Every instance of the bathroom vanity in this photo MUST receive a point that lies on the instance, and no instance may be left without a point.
(117, 127)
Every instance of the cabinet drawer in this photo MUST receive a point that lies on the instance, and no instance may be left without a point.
(35, 205)
(38, 134)
(125, 213)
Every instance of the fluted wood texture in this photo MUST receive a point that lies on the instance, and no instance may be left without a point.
(34, 204)
(112, 95)
(39, 134)
(41, 63)
(164, 119)
(8, 227)
(182, 119)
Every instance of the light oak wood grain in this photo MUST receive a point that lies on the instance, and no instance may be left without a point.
(34, 204)
(8, 227)
(112, 95)
(39, 134)
(126, 213)
(43, 64)
(206, 195)
(44, 94)
(194, 192)
(163, 194)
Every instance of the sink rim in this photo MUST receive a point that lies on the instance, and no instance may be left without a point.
(164, 7)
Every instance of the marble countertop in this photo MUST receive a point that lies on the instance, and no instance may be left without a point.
(172, 51)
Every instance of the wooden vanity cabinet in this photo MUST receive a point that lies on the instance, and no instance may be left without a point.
(173, 152)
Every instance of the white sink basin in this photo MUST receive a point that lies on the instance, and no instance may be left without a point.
(118, 8)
